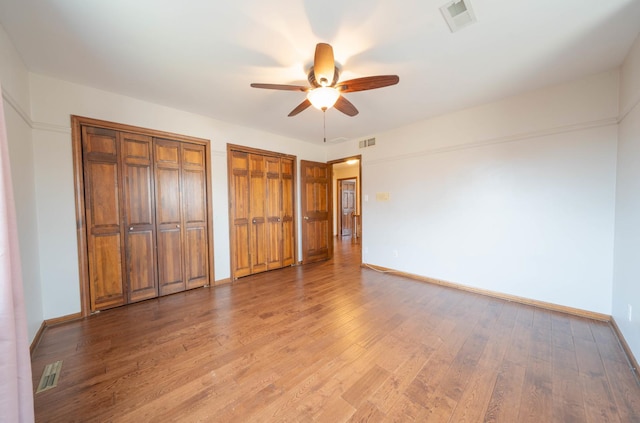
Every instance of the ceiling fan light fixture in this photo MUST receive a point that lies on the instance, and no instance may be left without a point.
(323, 98)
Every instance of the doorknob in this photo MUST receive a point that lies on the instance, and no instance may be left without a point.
(130, 228)
(279, 219)
(306, 218)
(253, 221)
(178, 226)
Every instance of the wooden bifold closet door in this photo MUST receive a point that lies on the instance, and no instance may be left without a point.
(261, 198)
(181, 213)
(146, 215)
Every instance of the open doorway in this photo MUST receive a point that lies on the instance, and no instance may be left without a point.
(346, 198)
(347, 210)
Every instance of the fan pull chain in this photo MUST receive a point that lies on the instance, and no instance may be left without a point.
(324, 124)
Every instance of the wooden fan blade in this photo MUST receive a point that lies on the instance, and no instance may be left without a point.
(302, 106)
(323, 64)
(367, 83)
(345, 106)
(281, 87)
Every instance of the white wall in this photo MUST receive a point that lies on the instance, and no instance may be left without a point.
(53, 101)
(516, 196)
(626, 280)
(16, 104)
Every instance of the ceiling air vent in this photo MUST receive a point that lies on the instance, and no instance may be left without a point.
(367, 143)
(458, 14)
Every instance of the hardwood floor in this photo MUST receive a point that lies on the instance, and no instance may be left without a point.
(333, 342)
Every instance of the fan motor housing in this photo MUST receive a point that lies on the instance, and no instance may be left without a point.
(311, 77)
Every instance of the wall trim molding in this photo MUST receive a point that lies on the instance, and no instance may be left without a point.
(629, 108)
(16, 106)
(37, 338)
(625, 346)
(495, 294)
(48, 323)
(63, 319)
(42, 126)
(501, 140)
(50, 127)
(224, 281)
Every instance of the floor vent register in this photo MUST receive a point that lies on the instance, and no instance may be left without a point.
(50, 376)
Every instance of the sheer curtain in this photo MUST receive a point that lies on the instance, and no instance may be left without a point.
(16, 391)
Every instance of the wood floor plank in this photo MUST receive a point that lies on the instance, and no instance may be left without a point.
(394, 387)
(367, 413)
(504, 404)
(334, 342)
(365, 386)
(568, 403)
(624, 389)
(599, 404)
(405, 410)
(561, 331)
(335, 410)
(537, 400)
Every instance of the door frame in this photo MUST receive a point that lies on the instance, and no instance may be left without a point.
(77, 122)
(358, 187)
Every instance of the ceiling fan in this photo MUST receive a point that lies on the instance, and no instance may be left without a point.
(325, 91)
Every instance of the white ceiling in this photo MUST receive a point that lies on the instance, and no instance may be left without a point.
(201, 55)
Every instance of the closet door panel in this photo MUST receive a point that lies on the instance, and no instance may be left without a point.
(106, 267)
(103, 203)
(195, 197)
(168, 191)
(141, 270)
(259, 242)
(103, 218)
(138, 194)
(240, 255)
(288, 230)
(196, 257)
(169, 217)
(194, 200)
(170, 273)
(139, 216)
(239, 209)
(273, 213)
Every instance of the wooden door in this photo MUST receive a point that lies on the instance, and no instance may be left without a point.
(273, 212)
(194, 205)
(143, 211)
(347, 192)
(287, 168)
(138, 199)
(257, 213)
(169, 217)
(316, 206)
(100, 152)
(239, 213)
(261, 210)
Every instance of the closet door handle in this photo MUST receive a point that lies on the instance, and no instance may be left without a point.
(253, 221)
(306, 218)
(130, 228)
(178, 226)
